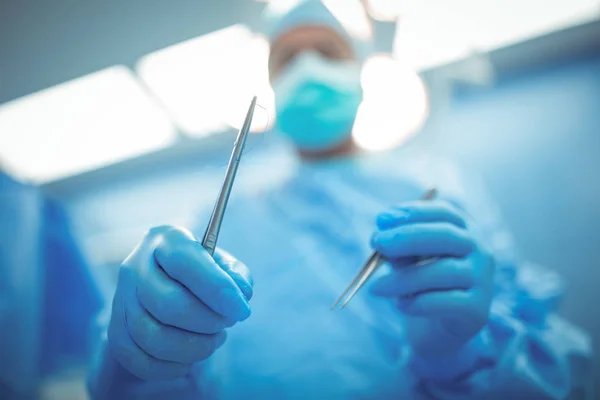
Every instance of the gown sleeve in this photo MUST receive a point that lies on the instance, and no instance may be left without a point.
(526, 351)
(107, 379)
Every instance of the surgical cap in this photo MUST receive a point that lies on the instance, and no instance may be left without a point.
(283, 16)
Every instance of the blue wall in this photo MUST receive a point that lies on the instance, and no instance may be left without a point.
(536, 140)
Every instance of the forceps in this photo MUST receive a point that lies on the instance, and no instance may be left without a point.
(372, 264)
(209, 241)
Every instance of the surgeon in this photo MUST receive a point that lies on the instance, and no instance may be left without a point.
(478, 323)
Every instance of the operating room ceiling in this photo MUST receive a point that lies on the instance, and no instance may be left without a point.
(43, 44)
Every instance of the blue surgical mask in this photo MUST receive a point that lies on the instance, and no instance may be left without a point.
(317, 101)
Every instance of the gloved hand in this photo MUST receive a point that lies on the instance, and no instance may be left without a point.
(445, 301)
(173, 302)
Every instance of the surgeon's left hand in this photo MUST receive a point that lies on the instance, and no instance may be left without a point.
(446, 301)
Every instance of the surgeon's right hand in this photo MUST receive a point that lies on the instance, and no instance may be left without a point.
(173, 302)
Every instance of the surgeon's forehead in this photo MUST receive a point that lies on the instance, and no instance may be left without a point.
(317, 38)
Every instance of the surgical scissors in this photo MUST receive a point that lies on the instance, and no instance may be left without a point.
(209, 241)
(372, 264)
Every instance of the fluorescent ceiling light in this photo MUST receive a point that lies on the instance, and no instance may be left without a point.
(431, 33)
(206, 83)
(80, 125)
(436, 32)
(395, 104)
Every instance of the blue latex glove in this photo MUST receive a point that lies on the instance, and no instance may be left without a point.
(172, 304)
(447, 301)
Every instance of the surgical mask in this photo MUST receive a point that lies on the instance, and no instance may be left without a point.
(317, 101)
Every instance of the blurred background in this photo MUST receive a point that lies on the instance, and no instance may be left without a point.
(112, 113)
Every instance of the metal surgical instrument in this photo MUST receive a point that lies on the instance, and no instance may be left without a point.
(372, 264)
(209, 241)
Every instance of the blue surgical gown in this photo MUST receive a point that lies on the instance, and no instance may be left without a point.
(41, 271)
(303, 239)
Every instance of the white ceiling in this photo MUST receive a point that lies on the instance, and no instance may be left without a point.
(436, 32)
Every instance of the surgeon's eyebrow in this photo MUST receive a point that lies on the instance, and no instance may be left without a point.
(278, 57)
(332, 49)
(283, 56)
